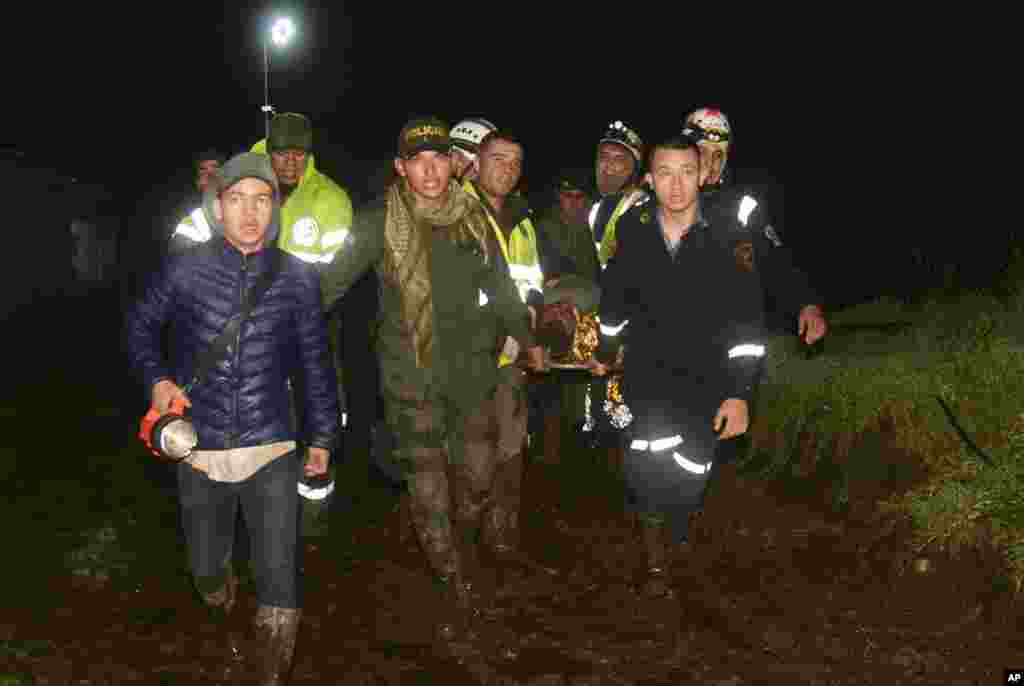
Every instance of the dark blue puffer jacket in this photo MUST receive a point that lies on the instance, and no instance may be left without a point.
(244, 400)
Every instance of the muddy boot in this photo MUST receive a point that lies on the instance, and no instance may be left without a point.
(273, 645)
(656, 553)
(220, 604)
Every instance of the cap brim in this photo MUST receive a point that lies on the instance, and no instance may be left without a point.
(445, 148)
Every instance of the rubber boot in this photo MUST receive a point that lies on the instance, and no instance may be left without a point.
(220, 604)
(275, 631)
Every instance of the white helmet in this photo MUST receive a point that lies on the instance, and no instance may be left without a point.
(709, 125)
(467, 134)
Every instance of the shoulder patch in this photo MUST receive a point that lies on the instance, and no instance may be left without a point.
(770, 234)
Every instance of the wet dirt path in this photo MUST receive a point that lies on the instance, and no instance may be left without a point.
(772, 592)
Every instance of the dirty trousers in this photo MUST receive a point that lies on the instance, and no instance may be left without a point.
(446, 450)
(665, 484)
(269, 503)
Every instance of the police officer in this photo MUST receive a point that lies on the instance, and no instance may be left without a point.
(316, 215)
(500, 165)
(437, 258)
(694, 308)
(788, 295)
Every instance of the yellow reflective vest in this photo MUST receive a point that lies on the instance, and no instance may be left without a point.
(521, 255)
(630, 197)
(316, 217)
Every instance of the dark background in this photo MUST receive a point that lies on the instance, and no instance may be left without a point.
(119, 98)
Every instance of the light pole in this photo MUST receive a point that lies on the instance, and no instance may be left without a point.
(281, 31)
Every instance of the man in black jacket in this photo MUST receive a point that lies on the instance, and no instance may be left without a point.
(692, 301)
(246, 456)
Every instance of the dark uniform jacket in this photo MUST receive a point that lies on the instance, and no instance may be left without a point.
(692, 319)
(786, 289)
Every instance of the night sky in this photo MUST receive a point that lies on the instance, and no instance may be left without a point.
(145, 87)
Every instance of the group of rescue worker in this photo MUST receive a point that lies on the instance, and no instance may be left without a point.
(460, 281)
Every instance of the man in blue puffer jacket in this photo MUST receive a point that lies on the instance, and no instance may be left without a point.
(246, 456)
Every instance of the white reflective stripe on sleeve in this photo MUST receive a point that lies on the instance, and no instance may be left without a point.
(191, 232)
(199, 219)
(690, 465)
(315, 493)
(747, 205)
(333, 238)
(609, 330)
(483, 298)
(312, 257)
(592, 217)
(639, 444)
(666, 443)
(747, 350)
(520, 272)
(344, 418)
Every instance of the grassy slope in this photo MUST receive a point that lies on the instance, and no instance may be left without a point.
(884, 368)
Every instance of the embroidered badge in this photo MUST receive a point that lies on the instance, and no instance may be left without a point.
(744, 254)
(769, 233)
(645, 217)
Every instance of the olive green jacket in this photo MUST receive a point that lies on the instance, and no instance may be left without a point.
(462, 365)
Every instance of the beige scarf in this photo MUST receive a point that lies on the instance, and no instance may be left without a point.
(407, 234)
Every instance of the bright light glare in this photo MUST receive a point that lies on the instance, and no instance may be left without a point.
(282, 31)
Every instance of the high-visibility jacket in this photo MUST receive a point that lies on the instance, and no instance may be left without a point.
(194, 226)
(604, 218)
(316, 217)
(521, 254)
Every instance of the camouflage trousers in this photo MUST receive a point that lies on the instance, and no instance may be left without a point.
(461, 474)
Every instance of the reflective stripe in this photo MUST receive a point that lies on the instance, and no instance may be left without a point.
(312, 257)
(592, 218)
(483, 298)
(315, 493)
(199, 219)
(666, 443)
(344, 418)
(747, 350)
(609, 330)
(690, 465)
(657, 445)
(333, 238)
(520, 272)
(747, 205)
(191, 232)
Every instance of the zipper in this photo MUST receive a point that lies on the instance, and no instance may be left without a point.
(242, 290)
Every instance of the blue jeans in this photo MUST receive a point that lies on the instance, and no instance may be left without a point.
(269, 503)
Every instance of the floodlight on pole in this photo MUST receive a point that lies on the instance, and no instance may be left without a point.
(281, 32)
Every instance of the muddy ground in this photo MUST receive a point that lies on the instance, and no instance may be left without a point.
(778, 587)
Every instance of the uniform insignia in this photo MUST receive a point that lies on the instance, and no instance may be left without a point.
(770, 234)
(645, 217)
(305, 232)
(744, 254)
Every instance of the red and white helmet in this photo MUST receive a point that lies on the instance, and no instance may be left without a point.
(467, 134)
(710, 126)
